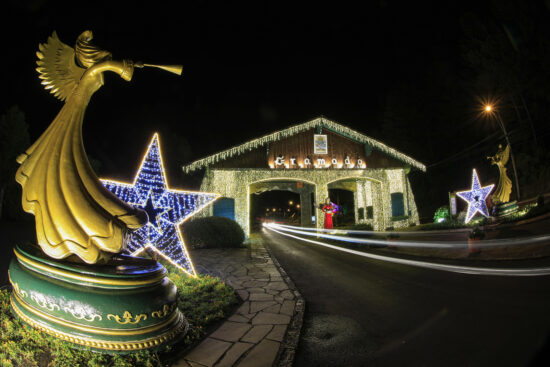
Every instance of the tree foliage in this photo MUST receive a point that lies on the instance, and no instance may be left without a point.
(14, 139)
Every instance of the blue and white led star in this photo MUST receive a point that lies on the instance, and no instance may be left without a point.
(166, 209)
(476, 197)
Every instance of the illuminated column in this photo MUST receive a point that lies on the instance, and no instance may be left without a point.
(385, 198)
(377, 206)
(242, 209)
(305, 208)
(359, 199)
(367, 186)
(320, 196)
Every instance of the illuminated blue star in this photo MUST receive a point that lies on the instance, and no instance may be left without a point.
(166, 209)
(476, 197)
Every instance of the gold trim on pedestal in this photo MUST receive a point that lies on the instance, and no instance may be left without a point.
(90, 329)
(90, 279)
(103, 344)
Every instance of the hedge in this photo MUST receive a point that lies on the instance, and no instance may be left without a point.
(212, 232)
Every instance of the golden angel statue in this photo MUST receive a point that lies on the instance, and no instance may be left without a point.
(76, 217)
(504, 188)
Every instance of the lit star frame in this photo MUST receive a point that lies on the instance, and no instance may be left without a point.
(476, 197)
(167, 209)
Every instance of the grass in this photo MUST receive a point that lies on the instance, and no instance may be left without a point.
(203, 300)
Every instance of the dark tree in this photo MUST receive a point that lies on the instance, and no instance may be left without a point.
(14, 139)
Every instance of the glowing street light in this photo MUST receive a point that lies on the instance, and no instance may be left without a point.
(290, 202)
(490, 110)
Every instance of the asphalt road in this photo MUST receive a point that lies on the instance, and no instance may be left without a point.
(364, 312)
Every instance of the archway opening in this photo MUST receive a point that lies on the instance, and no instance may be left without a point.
(346, 207)
(282, 201)
(277, 206)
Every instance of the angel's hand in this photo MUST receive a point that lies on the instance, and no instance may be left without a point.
(127, 70)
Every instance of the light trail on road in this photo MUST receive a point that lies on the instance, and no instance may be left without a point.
(423, 264)
(404, 243)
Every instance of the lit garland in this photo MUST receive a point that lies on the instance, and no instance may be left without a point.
(476, 197)
(293, 130)
(235, 183)
(166, 209)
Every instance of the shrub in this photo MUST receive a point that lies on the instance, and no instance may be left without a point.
(442, 214)
(359, 227)
(213, 232)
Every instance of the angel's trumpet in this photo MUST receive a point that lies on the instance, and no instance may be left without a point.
(176, 69)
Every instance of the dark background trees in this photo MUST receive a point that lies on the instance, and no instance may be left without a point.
(411, 74)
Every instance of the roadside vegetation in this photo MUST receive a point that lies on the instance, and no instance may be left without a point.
(212, 232)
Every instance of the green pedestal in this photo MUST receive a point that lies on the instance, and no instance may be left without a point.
(126, 305)
(503, 210)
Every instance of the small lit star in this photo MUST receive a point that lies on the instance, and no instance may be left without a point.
(476, 197)
(166, 209)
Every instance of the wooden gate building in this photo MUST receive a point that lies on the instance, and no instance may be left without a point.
(309, 159)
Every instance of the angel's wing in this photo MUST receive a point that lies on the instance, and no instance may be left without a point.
(505, 155)
(57, 67)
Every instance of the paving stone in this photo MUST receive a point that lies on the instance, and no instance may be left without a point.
(233, 354)
(257, 333)
(263, 354)
(254, 284)
(260, 305)
(238, 318)
(255, 290)
(208, 352)
(181, 363)
(272, 292)
(279, 286)
(278, 299)
(273, 309)
(287, 294)
(230, 331)
(288, 307)
(270, 318)
(243, 294)
(240, 273)
(261, 297)
(278, 333)
(195, 364)
(244, 308)
(248, 315)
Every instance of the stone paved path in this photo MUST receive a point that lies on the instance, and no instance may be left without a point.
(264, 331)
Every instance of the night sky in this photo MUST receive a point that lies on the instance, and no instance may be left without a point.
(252, 69)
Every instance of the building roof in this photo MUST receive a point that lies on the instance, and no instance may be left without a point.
(293, 130)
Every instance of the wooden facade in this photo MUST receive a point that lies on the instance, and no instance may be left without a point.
(300, 146)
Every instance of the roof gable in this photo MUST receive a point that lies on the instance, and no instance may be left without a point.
(320, 122)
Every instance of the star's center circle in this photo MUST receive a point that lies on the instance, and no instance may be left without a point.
(154, 213)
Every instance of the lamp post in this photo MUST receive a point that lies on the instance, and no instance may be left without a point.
(491, 111)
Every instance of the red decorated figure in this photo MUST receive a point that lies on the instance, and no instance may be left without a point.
(329, 209)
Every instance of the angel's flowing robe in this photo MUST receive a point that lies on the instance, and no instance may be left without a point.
(504, 188)
(74, 213)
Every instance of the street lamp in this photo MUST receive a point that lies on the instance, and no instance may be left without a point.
(489, 109)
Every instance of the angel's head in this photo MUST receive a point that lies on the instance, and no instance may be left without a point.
(87, 54)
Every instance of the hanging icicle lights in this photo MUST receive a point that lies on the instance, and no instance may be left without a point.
(293, 130)
(166, 209)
